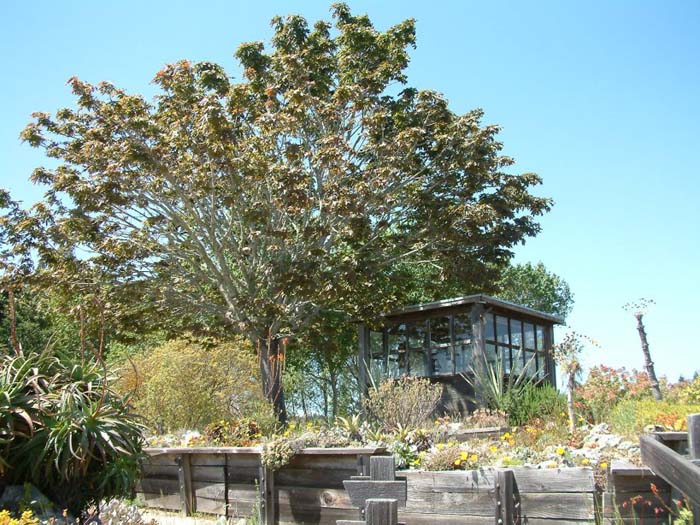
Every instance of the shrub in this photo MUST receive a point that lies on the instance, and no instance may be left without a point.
(189, 383)
(537, 402)
(66, 431)
(443, 458)
(237, 433)
(605, 387)
(630, 417)
(405, 403)
(686, 391)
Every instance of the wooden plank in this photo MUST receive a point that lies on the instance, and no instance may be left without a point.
(382, 468)
(558, 506)
(160, 501)
(184, 474)
(361, 491)
(340, 451)
(313, 477)
(267, 496)
(319, 516)
(673, 467)
(505, 501)
(380, 511)
(527, 480)
(314, 497)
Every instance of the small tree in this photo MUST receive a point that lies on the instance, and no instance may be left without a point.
(639, 309)
(567, 355)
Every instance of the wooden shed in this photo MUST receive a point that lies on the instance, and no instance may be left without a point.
(443, 340)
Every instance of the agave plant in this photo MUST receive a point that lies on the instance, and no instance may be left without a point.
(66, 431)
(496, 388)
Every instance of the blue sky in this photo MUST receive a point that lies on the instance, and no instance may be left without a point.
(601, 98)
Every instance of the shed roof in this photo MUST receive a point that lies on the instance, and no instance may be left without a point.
(473, 299)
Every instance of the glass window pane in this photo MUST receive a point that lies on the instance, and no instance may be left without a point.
(417, 363)
(504, 355)
(516, 335)
(529, 336)
(396, 360)
(440, 331)
(539, 330)
(489, 334)
(417, 334)
(502, 330)
(491, 354)
(376, 356)
(463, 328)
(530, 363)
(463, 357)
(376, 347)
(517, 355)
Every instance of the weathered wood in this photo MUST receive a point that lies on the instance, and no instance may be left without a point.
(694, 452)
(528, 479)
(184, 475)
(505, 501)
(267, 496)
(361, 491)
(674, 468)
(380, 511)
(382, 468)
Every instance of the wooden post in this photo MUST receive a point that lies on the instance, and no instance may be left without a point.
(382, 468)
(184, 476)
(694, 451)
(267, 496)
(504, 497)
(381, 512)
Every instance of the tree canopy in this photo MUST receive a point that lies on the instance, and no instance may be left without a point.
(534, 286)
(317, 181)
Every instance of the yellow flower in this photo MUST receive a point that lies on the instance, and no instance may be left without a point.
(474, 457)
(585, 461)
(458, 462)
(309, 425)
(552, 464)
(464, 455)
(493, 448)
(440, 446)
(603, 465)
(292, 425)
(561, 451)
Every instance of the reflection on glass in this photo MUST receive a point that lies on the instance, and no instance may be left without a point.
(504, 355)
(491, 354)
(516, 334)
(376, 355)
(396, 364)
(530, 363)
(529, 336)
(489, 334)
(417, 363)
(540, 337)
(502, 330)
(463, 357)
(442, 360)
(417, 334)
(440, 331)
(517, 361)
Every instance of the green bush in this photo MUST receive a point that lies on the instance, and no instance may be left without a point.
(189, 383)
(405, 403)
(63, 429)
(536, 402)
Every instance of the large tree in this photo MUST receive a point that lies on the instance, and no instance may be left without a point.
(313, 182)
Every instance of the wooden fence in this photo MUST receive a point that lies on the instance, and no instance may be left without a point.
(231, 482)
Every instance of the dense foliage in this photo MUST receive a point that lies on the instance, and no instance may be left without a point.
(65, 430)
(408, 402)
(534, 286)
(189, 383)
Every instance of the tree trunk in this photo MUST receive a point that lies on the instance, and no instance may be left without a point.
(648, 363)
(271, 357)
(570, 400)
